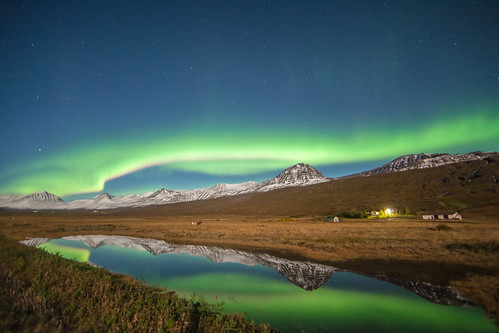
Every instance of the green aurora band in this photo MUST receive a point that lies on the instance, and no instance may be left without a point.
(85, 168)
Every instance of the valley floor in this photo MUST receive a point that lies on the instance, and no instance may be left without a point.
(463, 254)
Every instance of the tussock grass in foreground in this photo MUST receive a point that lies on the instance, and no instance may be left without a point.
(40, 292)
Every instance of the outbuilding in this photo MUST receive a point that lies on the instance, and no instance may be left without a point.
(440, 216)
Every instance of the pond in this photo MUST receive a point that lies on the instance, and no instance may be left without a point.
(292, 296)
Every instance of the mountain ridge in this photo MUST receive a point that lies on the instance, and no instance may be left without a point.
(424, 161)
(297, 175)
(300, 174)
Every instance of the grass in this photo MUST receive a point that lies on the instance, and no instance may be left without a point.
(443, 227)
(485, 247)
(460, 252)
(40, 292)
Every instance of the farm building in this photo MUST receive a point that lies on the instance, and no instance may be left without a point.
(452, 216)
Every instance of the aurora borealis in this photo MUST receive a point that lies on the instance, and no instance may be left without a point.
(129, 97)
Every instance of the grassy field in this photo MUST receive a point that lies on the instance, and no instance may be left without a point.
(290, 223)
(463, 254)
(46, 293)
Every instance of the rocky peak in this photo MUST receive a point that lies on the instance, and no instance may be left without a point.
(221, 187)
(162, 192)
(298, 174)
(424, 161)
(103, 196)
(43, 196)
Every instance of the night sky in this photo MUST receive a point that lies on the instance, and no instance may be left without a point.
(132, 96)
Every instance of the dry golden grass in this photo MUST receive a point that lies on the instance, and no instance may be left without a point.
(352, 238)
(403, 248)
(40, 292)
(290, 223)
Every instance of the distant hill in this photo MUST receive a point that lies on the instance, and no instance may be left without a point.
(425, 161)
(297, 175)
(414, 184)
(469, 187)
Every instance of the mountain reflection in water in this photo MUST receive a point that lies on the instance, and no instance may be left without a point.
(248, 282)
(306, 275)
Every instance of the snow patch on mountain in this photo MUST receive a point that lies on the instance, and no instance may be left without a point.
(425, 161)
(298, 175)
(38, 200)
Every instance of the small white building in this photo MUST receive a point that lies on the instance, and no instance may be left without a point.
(453, 216)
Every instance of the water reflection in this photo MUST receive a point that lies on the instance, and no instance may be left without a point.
(257, 284)
(306, 275)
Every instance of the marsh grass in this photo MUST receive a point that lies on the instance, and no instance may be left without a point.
(443, 227)
(40, 292)
(486, 247)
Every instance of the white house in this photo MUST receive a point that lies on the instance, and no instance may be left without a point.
(454, 216)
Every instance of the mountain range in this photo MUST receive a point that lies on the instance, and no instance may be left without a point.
(299, 175)
(426, 161)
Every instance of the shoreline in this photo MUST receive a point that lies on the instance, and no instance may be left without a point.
(463, 254)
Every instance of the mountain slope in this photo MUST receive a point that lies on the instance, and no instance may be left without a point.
(425, 161)
(297, 175)
(38, 200)
(412, 183)
(468, 187)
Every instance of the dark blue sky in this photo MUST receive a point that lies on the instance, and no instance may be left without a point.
(186, 94)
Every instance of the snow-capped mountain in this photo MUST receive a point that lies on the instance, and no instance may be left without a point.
(298, 175)
(103, 197)
(306, 275)
(424, 161)
(38, 200)
(165, 196)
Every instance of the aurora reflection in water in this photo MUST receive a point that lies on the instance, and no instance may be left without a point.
(346, 302)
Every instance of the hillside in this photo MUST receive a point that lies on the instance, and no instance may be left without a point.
(300, 174)
(469, 187)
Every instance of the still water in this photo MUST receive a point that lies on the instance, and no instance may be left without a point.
(289, 295)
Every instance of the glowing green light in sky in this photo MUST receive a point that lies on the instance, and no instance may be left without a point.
(87, 167)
